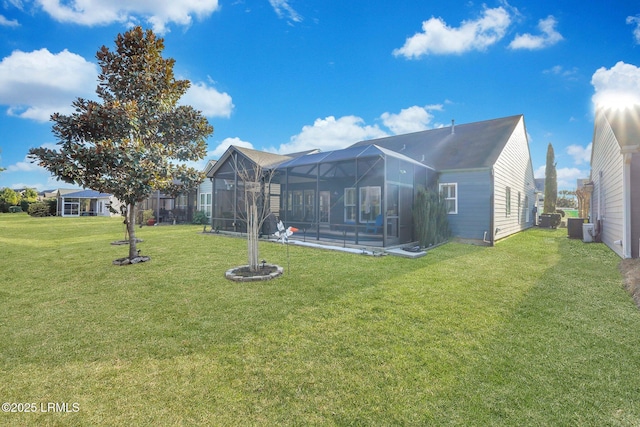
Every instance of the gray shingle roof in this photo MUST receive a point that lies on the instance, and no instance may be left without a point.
(87, 194)
(625, 124)
(469, 146)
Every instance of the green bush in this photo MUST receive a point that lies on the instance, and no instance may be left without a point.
(200, 217)
(39, 209)
(431, 218)
(15, 209)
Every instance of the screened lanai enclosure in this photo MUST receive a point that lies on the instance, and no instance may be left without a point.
(360, 195)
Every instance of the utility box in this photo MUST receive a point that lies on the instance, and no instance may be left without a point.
(574, 227)
(588, 231)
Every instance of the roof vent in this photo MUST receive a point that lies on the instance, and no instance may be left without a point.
(453, 126)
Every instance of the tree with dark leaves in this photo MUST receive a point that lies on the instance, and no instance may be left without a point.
(137, 139)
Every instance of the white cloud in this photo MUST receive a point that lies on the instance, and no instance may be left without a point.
(439, 38)
(158, 13)
(412, 119)
(208, 100)
(618, 86)
(226, 143)
(559, 70)
(580, 154)
(331, 134)
(4, 22)
(635, 20)
(567, 177)
(284, 10)
(36, 84)
(549, 36)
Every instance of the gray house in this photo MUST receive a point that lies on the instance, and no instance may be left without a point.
(615, 173)
(485, 172)
(364, 194)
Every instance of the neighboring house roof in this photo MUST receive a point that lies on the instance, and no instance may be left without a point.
(210, 165)
(87, 194)
(466, 146)
(262, 158)
(65, 191)
(625, 125)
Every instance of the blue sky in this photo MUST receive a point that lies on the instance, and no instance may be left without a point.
(289, 75)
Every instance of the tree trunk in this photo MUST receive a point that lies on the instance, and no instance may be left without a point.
(252, 236)
(131, 228)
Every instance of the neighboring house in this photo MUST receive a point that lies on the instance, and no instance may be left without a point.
(205, 191)
(168, 208)
(615, 173)
(85, 203)
(364, 194)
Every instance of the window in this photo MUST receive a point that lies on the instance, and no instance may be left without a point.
(205, 203)
(370, 203)
(349, 205)
(508, 201)
(308, 205)
(324, 202)
(296, 205)
(449, 193)
(519, 206)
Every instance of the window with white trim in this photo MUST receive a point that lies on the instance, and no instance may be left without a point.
(205, 203)
(449, 193)
(350, 204)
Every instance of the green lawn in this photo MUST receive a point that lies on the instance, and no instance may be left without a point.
(537, 330)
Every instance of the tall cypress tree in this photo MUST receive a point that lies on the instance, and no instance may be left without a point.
(550, 182)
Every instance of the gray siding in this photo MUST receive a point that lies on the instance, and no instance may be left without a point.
(205, 187)
(635, 205)
(474, 203)
(607, 175)
(514, 170)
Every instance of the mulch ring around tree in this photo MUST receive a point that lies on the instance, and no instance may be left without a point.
(125, 242)
(244, 273)
(127, 260)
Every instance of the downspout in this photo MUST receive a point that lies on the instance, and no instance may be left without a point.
(214, 201)
(317, 202)
(492, 211)
(626, 204)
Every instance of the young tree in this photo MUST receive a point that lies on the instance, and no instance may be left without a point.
(30, 195)
(10, 197)
(130, 144)
(550, 182)
(255, 179)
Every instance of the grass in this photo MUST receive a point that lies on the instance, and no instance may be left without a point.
(537, 330)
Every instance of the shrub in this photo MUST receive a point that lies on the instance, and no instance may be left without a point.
(15, 209)
(39, 209)
(53, 206)
(431, 218)
(200, 217)
(561, 212)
